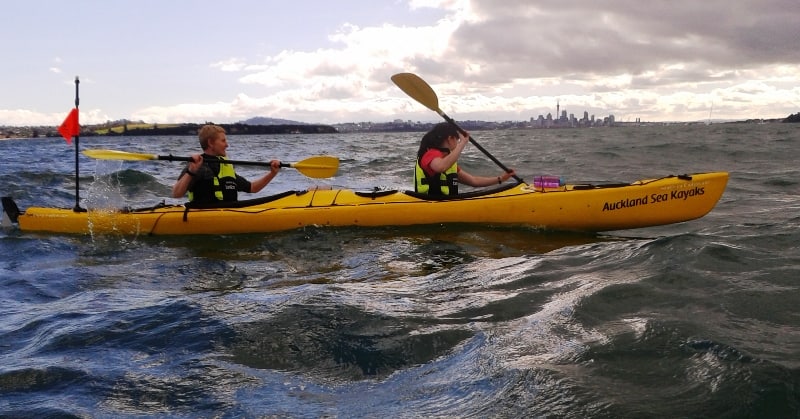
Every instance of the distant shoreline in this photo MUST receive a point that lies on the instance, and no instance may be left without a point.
(141, 129)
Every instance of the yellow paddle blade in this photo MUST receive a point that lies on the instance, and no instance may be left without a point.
(118, 155)
(418, 89)
(317, 166)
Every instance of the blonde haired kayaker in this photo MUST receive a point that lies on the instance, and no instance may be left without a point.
(208, 179)
(437, 171)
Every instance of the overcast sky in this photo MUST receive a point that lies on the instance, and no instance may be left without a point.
(324, 61)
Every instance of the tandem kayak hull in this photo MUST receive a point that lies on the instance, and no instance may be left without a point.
(582, 208)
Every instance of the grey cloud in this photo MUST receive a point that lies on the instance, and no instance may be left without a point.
(518, 39)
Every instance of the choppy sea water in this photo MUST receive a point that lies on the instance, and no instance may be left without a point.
(698, 319)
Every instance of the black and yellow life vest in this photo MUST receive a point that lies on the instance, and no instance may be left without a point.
(445, 183)
(224, 185)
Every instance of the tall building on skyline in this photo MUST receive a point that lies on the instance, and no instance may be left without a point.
(562, 119)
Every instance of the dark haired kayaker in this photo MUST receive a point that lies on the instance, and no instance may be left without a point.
(437, 171)
(208, 179)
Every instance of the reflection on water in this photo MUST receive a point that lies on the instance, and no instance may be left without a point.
(338, 343)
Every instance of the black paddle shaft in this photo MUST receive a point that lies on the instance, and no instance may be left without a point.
(483, 150)
(240, 162)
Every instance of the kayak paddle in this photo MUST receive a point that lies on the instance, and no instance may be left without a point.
(422, 92)
(313, 167)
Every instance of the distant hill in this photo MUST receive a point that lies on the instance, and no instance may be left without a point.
(238, 128)
(260, 120)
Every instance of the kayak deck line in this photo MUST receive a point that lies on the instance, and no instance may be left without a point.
(583, 207)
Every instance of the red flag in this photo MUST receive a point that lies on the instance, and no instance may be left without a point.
(70, 127)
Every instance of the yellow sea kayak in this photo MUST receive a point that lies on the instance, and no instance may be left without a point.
(583, 208)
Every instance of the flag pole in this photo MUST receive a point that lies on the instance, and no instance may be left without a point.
(77, 146)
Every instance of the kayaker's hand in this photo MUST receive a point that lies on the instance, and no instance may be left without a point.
(463, 140)
(507, 175)
(455, 152)
(196, 163)
(274, 166)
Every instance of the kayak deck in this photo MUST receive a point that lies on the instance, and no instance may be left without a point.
(584, 208)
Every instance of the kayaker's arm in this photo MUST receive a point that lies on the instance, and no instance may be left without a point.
(183, 183)
(440, 164)
(181, 186)
(481, 181)
(274, 168)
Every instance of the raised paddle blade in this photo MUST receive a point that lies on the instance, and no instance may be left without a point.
(118, 155)
(418, 89)
(317, 167)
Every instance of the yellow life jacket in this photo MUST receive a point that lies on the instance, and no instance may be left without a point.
(224, 182)
(445, 183)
